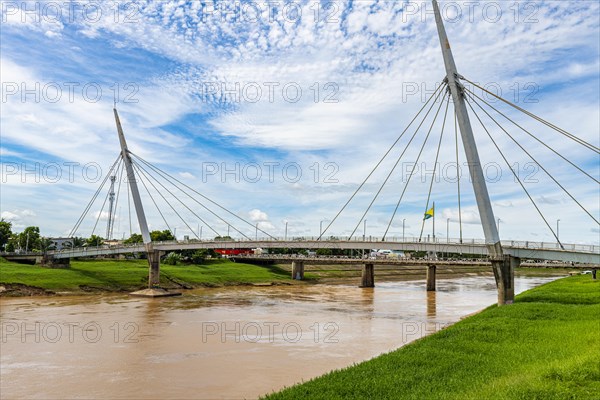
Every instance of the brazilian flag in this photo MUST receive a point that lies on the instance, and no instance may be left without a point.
(429, 213)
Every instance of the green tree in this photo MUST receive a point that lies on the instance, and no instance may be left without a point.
(224, 238)
(10, 246)
(161, 236)
(172, 258)
(5, 232)
(199, 256)
(324, 252)
(46, 244)
(134, 238)
(29, 239)
(75, 242)
(94, 240)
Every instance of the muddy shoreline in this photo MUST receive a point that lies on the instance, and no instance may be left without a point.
(317, 274)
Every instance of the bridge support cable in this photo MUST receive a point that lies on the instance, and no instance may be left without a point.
(139, 174)
(168, 176)
(458, 175)
(533, 136)
(515, 175)
(412, 172)
(536, 161)
(437, 155)
(539, 119)
(434, 96)
(120, 177)
(93, 200)
(146, 174)
(191, 197)
(129, 210)
(398, 161)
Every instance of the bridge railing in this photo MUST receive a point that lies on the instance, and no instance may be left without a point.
(372, 241)
(379, 243)
(98, 249)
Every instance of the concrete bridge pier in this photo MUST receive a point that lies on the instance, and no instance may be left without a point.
(48, 261)
(368, 276)
(504, 273)
(154, 289)
(298, 270)
(431, 271)
(154, 268)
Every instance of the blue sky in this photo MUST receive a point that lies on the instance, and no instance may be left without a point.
(364, 69)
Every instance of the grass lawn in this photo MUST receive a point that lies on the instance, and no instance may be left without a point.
(545, 346)
(127, 275)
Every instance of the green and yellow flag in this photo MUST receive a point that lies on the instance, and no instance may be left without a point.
(429, 213)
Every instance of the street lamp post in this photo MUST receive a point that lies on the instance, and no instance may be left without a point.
(256, 234)
(403, 221)
(448, 230)
(557, 230)
(365, 231)
(498, 229)
(320, 229)
(286, 224)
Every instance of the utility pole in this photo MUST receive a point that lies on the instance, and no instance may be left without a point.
(502, 272)
(111, 202)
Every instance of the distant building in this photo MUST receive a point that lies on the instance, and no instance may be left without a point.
(61, 243)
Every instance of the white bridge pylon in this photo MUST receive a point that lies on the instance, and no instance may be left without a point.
(503, 272)
(153, 256)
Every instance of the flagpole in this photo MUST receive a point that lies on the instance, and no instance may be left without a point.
(433, 208)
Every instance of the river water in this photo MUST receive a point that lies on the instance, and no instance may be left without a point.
(233, 342)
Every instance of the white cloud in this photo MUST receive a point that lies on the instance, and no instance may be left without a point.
(258, 216)
(186, 175)
(18, 215)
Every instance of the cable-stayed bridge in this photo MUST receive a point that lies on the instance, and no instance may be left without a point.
(169, 195)
(586, 254)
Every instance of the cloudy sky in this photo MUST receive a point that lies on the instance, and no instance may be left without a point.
(278, 111)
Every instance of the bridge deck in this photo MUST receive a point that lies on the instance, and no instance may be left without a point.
(588, 254)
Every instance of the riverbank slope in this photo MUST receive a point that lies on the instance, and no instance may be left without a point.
(545, 346)
(109, 275)
(129, 275)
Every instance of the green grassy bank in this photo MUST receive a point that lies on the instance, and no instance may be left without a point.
(545, 346)
(128, 275)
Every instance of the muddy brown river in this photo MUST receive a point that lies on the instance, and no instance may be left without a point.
(228, 343)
